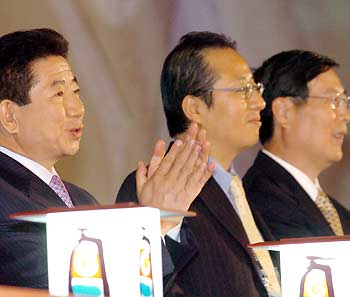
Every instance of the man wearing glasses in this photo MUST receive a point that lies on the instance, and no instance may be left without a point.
(303, 128)
(41, 122)
(206, 81)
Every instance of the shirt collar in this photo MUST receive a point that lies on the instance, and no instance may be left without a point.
(222, 176)
(309, 186)
(39, 170)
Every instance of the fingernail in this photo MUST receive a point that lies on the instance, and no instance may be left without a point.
(197, 149)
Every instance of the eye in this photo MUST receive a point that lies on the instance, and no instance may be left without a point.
(77, 91)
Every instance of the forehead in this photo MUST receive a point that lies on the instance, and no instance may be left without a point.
(51, 68)
(326, 82)
(228, 64)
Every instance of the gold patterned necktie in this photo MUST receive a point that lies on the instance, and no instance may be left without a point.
(263, 258)
(329, 212)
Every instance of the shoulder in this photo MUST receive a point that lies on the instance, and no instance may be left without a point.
(79, 195)
(340, 208)
(127, 191)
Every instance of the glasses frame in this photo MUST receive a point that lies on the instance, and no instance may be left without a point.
(248, 89)
(340, 100)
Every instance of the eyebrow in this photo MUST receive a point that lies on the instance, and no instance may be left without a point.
(62, 81)
(246, 78)
(332, 90)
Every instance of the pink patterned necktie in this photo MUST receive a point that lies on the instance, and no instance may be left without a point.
(57, 185)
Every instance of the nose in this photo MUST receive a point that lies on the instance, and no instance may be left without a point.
(343, 113)
(74, 105)
(256, 101)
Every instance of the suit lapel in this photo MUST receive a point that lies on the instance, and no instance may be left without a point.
(79, 196)
(28, 183)
(41, 194)
(218, 204)
(293, 191)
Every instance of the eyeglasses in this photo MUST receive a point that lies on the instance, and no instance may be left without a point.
(248, 89)
(340, 100)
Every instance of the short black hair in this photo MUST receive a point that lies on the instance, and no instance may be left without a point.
(186, 72)
(18, 50)
(287, 74)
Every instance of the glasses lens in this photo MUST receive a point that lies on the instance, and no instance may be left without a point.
(260, 88)
(248, 90)
(341, 101)
(346, 102)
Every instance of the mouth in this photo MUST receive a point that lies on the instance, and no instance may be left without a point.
(339, 137)
(255, 121)
(340, 134)
(76, 132)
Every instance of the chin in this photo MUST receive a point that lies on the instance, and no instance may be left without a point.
(253, 140)
(248, 145)
(72, 150)
(338, 156)
(335, 156)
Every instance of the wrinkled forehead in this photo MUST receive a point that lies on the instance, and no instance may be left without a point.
(228, 65)
(51, 68)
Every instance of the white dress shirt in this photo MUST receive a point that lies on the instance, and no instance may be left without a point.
(309, 186)
(45, 175)
(40, 171)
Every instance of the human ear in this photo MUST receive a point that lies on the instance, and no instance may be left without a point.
(194, 108)
(8, 117)
(282, 110)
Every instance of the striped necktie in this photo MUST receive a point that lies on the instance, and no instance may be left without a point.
(263, 258)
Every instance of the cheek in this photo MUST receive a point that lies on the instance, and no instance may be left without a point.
(317, 129)
(53, 123)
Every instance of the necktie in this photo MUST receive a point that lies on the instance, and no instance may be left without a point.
(57, 185)
(263, 258)
(329, 212)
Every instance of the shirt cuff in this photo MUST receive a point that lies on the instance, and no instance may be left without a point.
(174, 233)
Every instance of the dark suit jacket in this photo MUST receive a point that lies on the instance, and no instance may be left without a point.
(223, 265)
(284, 205)
(23, 258)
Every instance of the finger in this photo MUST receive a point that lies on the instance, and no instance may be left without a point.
(181, 159)
(201, 136)
(204, 154)
(192, 130)
(208, 172)
(141, 178)
(189, 165)
(199, 177)
(169, 159)
(182, 155)
(193, 184)
(157, 157)
(202, 140)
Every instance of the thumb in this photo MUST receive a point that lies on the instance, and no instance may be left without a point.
(141, 177)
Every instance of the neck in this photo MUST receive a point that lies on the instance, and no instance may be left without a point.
(295, 158)
(49, 165)
(223, 158)
(223, 155)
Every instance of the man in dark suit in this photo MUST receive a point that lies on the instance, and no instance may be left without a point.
(41, 121)
(303, 128)
(206, 81)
